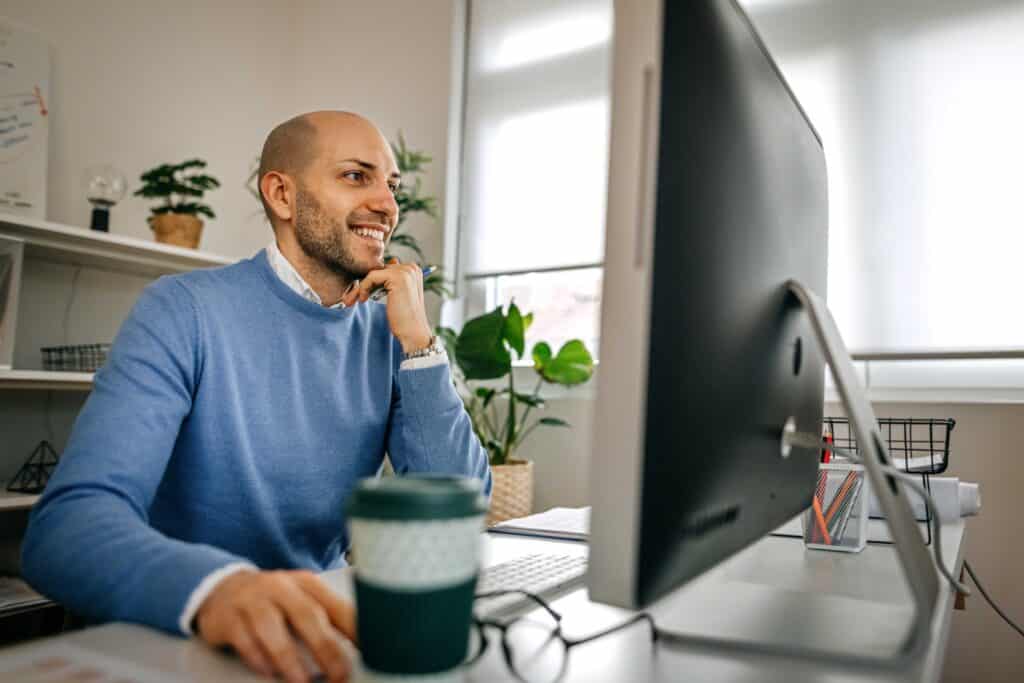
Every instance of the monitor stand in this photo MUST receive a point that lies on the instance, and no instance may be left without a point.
(809, 626)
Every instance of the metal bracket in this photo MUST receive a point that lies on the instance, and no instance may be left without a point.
(914, 557)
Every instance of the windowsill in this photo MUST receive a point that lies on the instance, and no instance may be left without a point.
(982, 395)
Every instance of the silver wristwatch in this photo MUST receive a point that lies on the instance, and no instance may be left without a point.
(434, 348)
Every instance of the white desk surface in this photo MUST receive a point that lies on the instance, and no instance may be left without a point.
(775, 573)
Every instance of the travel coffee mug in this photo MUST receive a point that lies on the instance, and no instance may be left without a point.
(416, 554)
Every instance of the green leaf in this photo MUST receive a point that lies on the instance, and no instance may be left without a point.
(436, 283)
(573, 365)
(513, 332)
(541, 354)
(409, 242)
(529, 399)
(554, 422)
(486, 394)
(527, 321)
(480, 348)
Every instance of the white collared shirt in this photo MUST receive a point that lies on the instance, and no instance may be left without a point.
(291, 277)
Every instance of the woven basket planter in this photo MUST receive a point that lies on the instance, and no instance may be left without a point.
(512, 491)
(179, 229)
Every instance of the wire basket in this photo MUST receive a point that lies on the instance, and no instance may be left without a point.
(916, 445)
(80, 358)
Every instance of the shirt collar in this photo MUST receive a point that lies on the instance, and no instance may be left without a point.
(291, 277)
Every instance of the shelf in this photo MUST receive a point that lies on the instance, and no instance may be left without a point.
(16, 501)
(42, 379)
(65, 244)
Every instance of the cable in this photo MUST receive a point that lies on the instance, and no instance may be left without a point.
(48, 416)
(991, 602)
(71, 301)
(804, 440)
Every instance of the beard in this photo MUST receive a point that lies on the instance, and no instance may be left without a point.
(323, 238)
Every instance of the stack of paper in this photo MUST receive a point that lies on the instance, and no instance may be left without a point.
(562, 523)
(15, 594)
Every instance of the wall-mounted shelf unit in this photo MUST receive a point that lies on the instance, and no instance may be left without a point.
(42, 379)
(16, 501)
(66, 244)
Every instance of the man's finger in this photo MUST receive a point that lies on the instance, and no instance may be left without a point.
(341, 612)
(249, 650)
(309, 620)
(268, 627)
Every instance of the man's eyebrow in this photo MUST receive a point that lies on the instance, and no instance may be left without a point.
(370, 167)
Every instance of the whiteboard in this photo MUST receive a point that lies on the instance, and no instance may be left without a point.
(24, 120)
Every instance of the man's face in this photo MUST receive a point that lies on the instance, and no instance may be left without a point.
(345, 203)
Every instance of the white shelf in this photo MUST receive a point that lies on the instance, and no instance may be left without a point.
(42, 379)
(66, 244)
(16, 501)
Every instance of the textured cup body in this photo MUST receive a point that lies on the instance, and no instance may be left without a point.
(414, 583)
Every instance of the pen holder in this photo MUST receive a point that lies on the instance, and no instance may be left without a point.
(838, 516)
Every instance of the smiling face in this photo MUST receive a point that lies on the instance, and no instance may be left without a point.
(345, 208)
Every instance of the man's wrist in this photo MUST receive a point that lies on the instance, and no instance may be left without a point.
(417, 343)
(431, 349)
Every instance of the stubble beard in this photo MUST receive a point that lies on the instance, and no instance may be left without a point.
(322, 238)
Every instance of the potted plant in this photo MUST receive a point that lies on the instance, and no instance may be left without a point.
(483, 353)
(410, 201)
(181, 186)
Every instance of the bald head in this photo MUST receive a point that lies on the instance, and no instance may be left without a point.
(293, 145)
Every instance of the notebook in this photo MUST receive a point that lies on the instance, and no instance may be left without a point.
(571, 524)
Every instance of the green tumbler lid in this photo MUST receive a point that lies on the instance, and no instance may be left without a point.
(417, 497)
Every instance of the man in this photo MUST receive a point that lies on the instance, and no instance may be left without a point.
(239, 407)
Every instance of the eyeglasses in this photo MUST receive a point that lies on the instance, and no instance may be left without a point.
(535, 649)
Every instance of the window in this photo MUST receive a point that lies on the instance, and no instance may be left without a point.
(920, 124)
(534, 162)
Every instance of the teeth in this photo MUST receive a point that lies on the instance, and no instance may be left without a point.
(367, 232)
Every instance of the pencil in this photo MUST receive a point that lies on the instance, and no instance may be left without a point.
(820, 520)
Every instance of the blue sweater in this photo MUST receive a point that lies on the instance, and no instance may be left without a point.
(230, 423)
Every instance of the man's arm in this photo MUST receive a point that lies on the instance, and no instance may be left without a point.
(429, 430)
(89, 544)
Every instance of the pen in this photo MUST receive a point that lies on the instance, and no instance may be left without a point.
(381, 292)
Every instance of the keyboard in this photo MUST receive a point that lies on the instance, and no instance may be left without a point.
(545, 575)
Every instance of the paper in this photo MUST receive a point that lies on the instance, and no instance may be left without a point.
(56, 662)
(562, 523)
(16, 594)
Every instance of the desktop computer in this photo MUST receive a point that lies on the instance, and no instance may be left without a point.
(714, 338)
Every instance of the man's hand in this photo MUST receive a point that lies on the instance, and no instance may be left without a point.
(261, 614)
(407, 314)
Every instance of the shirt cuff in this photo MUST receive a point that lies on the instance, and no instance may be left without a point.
(204, 589)
(424, 361)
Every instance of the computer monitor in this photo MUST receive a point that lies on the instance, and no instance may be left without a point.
(714, 336)
(717, 198)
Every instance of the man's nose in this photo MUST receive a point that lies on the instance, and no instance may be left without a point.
(383, 202)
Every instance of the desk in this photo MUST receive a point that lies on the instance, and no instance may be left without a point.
(778, 569)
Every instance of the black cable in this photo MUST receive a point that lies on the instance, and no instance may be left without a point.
(991, 602)
(71, 301)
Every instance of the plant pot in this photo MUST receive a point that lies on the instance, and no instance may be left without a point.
(512, 491)
(179, 229)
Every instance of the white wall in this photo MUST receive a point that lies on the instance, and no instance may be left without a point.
(138, 83)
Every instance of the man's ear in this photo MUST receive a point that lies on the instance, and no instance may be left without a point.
(279, 193)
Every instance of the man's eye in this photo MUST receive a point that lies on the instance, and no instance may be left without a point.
(353, 175)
